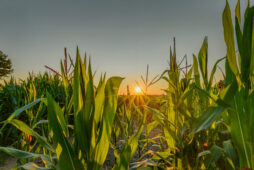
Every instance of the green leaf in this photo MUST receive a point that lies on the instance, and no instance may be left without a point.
(39, 122)
(130, 148)
(229, 38)
(239, 36)
(196, 72)
(213, 71)
(99, 102)
(67, 159)
(31, 166)
(87, 112)
(230, 77)
(27, 130)
(24, 155)
(61, 119)
(110, 104)
(247, 45)
(79, 85)
(204, 153)
(240, 128)
(64, 78)
(248, 6)
(230, 152)
(202, 58)
(151, 126)
(207, 118)
(215, 155)
(238, 12)
(19, 111)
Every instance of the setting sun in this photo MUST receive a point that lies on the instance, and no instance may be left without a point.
(138, 90)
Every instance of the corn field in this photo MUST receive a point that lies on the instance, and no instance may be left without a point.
(66, 120)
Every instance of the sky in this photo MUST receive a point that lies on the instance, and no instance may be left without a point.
(121, 36)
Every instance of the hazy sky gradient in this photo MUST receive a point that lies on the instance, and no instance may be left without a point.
(122, 36)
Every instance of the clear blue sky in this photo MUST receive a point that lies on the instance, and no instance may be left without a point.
(122, 36)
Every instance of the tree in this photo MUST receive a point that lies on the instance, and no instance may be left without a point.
(5, 65)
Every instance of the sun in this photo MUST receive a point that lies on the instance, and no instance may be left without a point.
(138, 90)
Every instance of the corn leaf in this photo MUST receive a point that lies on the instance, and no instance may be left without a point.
(240, 127)
(110, 104)
(230, 152)
(247, 44)
(202, 58)
(238, 12)
(67, 159)
(27, 130)
(229, 38)
(19, 111)
(207, 118)
(24, 155)
(230, 76)
(31, 166)
(129, 149)
(78, 101)
(213, 72)
(196, 72)
(216, 153)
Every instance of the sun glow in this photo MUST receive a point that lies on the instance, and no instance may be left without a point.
(138, 90)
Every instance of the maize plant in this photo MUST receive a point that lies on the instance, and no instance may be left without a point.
(240, 106)
(238, 96)
(94, 112)
(173, 117)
